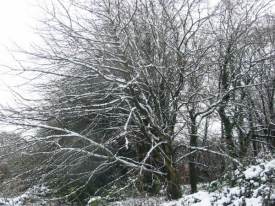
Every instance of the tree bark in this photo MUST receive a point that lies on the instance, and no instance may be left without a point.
(172, 176)
(228, 132)
(173, 183)
(192, 158)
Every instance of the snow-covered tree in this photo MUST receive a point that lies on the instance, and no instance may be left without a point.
(125, 82)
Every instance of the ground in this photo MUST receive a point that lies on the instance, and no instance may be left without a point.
(254, 186)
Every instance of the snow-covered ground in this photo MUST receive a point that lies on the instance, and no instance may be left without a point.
(35, 196)
(255, 187)
(231, 196)
(30, 196)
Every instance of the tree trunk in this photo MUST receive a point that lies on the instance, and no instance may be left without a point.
(228, 132)
(148, 183)
(244, 144)
(255, 148)
(173, 183)
(193, 177)
(192, 158)
(172, 177)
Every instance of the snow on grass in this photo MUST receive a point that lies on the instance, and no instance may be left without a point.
(149, 201)
(254, 186)
(204, 198)
(21, 200)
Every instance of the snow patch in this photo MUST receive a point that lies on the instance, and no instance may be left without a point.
(253, 188)
(21, 200)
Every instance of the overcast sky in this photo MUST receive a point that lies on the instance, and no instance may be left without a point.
(16, 27)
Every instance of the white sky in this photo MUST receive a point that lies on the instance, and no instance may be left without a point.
(16, 27)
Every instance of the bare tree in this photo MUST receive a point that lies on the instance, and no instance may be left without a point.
(136, 53)
(122, 80)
